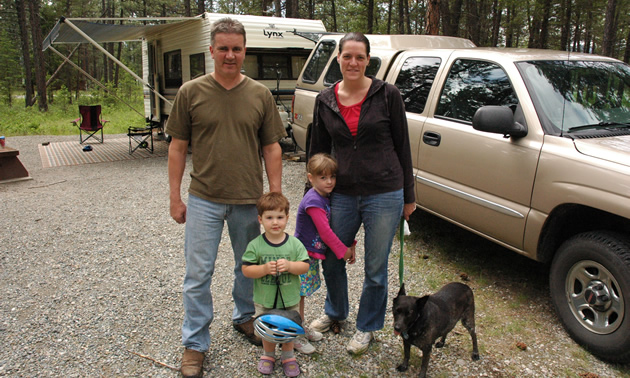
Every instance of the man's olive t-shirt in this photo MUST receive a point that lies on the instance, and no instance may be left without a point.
(227, 129)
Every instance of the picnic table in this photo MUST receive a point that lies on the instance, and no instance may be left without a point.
(11, 168)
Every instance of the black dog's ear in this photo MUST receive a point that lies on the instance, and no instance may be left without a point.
(402, 290)
(421, 302)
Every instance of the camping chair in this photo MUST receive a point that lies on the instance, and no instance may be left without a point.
(90, 122)
(141, 137)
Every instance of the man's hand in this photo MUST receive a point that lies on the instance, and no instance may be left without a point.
(178, 211)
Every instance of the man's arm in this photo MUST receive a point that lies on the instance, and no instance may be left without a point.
(176, 165)
(272, 154)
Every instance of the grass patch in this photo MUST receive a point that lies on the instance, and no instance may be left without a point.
(18, 120)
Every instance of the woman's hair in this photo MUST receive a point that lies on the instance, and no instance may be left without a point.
(229, 26)
(272, 201)
(321, 163)
(357, 37)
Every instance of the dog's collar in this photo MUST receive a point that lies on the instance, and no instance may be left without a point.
(404, 334)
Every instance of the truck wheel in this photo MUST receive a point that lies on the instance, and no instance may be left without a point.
(589, 283)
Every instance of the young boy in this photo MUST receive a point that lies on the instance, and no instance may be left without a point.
(275, 260)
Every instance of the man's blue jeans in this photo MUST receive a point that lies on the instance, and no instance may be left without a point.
(380, 215)
(204, 226)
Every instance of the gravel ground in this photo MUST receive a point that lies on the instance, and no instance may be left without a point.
(91, 275)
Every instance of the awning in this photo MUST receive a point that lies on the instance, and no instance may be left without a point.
(101, 32)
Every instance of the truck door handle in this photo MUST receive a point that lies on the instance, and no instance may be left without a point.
(431, 138)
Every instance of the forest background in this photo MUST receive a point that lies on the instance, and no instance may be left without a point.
(32, 78)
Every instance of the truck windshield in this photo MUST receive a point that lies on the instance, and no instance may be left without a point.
(575, 96)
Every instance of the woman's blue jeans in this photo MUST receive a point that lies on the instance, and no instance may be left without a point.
(380, 215)
(204, 226)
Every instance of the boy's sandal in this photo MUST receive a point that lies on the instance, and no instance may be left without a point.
(266, 365)
(291, 367)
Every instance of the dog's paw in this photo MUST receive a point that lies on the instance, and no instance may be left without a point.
(439, 344)
(402, 367)
(475, 356)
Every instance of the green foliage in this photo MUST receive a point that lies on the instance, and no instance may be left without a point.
(18, 120)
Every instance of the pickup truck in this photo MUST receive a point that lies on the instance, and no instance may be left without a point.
(527, 148)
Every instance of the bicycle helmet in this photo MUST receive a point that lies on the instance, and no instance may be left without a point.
(278, 329)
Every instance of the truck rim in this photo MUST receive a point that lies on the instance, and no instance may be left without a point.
(594, 297)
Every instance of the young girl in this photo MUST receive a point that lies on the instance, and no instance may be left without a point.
(313, 230)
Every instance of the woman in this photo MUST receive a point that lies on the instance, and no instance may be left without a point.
(361, 121)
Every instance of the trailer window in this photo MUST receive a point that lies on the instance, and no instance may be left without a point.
(267, 66)
(173, 69)
(197, 65)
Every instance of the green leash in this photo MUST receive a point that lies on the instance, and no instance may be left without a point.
(401, 263)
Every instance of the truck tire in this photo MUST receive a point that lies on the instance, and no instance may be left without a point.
(589, 281)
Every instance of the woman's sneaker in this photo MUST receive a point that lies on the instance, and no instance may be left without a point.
(302, 345)
(324, 323)
(360, 342)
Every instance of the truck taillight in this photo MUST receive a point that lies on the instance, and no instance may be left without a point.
(292, 105)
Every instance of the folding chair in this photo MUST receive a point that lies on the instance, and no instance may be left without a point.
(140, 137)
(90, 122)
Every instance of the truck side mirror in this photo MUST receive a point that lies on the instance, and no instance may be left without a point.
(498, 120)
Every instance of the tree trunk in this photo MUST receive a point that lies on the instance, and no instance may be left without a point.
(544, 25)
(433, 17)
(292, 8)
(370, 17)
(389, 16)
(566, 24)
(496, 23)
(401, 17)
(201, 7)
(187, 10)
(451, 16)
(40, 66)
(609, 28)
(26, 52)
(408, 18)
(277, 8)
(509, 32)
(589, 46)
(334, 15)
(626, 55)
(472, 21)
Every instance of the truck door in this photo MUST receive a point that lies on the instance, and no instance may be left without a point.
(480, 180)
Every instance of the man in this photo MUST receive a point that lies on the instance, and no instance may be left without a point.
(229, 120)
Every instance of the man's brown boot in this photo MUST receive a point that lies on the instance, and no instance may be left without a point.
(247, 329)
(192, 364)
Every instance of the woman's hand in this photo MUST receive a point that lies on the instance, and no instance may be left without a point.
(408, 209)
(350, 255)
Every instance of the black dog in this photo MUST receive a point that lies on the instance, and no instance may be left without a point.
(421, 321)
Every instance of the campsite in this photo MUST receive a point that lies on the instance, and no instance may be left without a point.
(92, 264)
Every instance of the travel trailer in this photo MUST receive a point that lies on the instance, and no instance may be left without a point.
(179, 50)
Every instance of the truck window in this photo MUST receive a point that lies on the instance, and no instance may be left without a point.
(472, 84)
(318, 61)
(333, 74)
(173, 69)
(415, 80)
(197, 65)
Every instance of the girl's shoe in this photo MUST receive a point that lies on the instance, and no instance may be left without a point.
(302, 345)
(312, 335)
